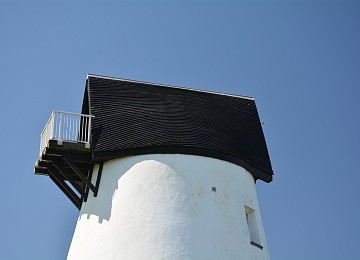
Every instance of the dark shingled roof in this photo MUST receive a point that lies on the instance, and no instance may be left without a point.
(134, 117)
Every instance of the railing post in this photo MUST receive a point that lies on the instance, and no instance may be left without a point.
(47, 133)
(59, 137)
(52, 125)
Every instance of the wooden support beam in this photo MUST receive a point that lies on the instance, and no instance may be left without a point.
(41, 170)
(98, 177)
(75, 156)
(80, 174)
(64, 187)
(69, 178)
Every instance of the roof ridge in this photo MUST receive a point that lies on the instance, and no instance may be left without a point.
(170, 86)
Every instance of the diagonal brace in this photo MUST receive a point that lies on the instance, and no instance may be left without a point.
(80, 174)
(71, 180)
(54, 176)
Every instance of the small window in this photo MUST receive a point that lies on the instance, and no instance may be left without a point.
(252, 227)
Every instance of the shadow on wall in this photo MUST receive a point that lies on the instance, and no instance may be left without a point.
(140, 183)
(101, 205)
(117, 174)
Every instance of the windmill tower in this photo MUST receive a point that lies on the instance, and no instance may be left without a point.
(159, 172)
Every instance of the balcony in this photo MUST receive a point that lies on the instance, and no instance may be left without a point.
(65, 155)
(68, 127)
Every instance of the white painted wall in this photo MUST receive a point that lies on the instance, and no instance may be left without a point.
(162, 206)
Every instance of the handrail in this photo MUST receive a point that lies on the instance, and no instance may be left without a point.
(72, 113)
(66, 126)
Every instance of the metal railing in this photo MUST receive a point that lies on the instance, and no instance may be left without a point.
(65, 126)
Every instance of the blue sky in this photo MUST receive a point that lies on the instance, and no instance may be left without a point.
(299, 59)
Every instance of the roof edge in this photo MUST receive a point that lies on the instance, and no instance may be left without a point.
(169, 86)
(255, 171)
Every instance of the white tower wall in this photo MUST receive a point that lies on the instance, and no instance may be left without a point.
(170, 206)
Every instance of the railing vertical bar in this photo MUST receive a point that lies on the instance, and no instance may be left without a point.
(72, 128)
(83, 132)
(78, 130)
(63, 129)
(52, 125)
(73, 136)
(85, 129)
(75, 124)
(69, 138)
(89, 129)
(60, 122)
(82, 129)
(67, 128)
(55, 125)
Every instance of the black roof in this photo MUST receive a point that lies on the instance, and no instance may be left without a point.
(133, 117)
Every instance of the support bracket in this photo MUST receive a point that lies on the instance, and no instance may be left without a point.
(98, 177)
